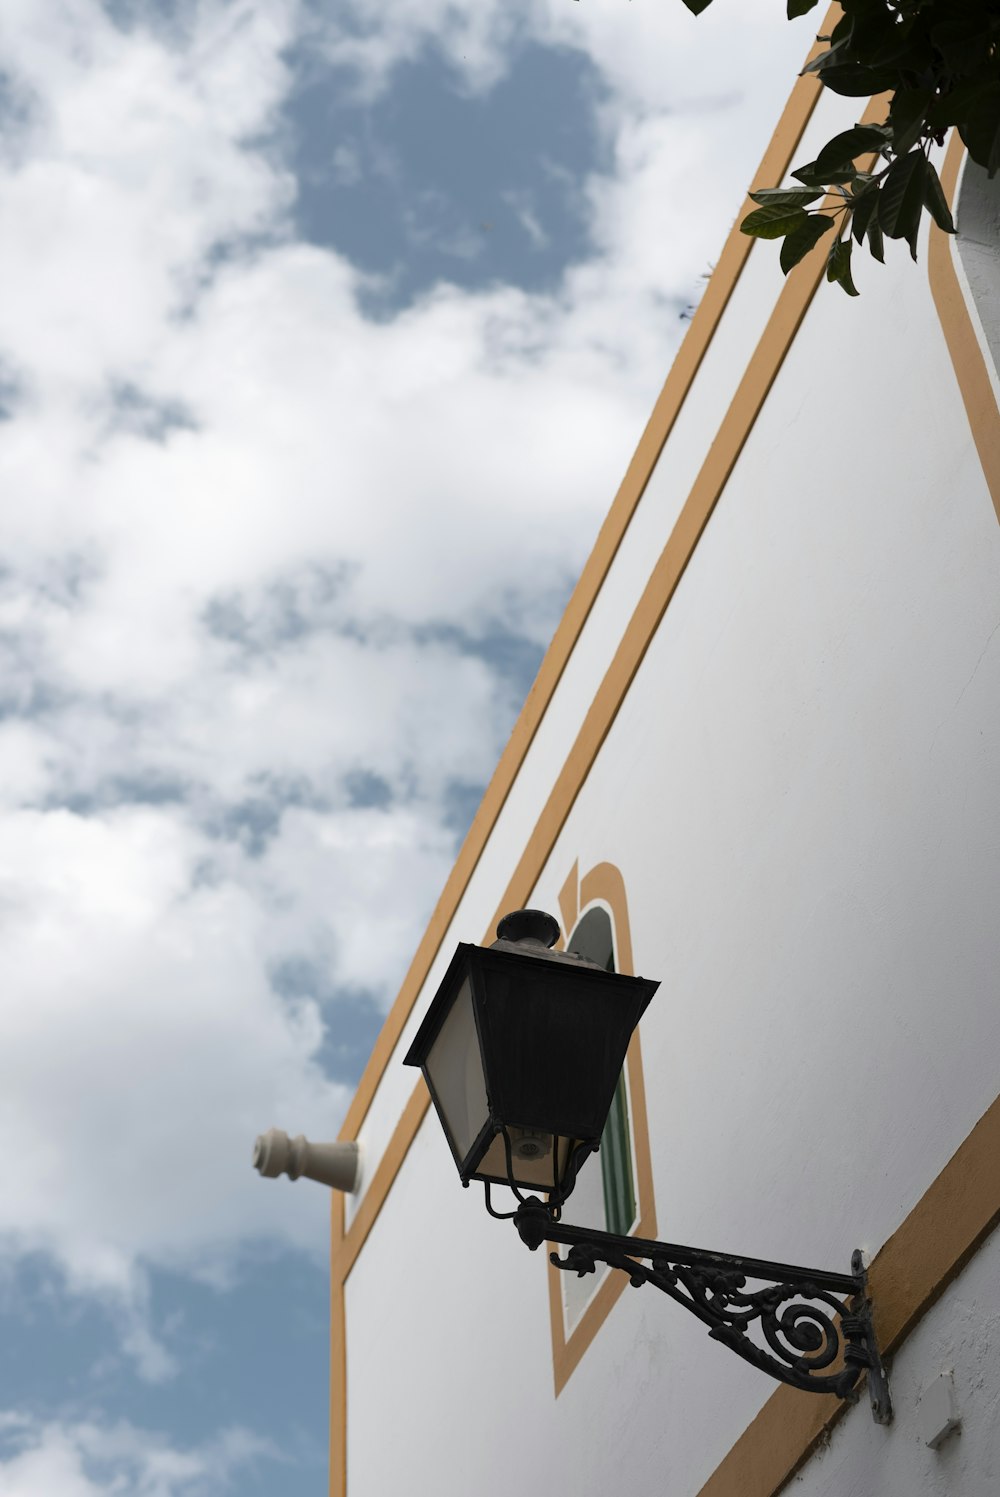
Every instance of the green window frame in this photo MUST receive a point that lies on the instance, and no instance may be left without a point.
(616, 1165)
(593, 937)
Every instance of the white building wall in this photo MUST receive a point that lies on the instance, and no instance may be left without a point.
(801, 792)
(959, 1335)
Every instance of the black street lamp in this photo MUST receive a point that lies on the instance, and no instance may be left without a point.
(521, 1049)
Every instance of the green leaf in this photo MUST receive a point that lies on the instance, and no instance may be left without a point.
(838, 266)
(838, 42)
(901, 200)
(798, 244)
(839, 152)
(956, 105)
(865, 204)
(773, 222)
(697, 6)
(871, 25)
(911, 240)
(964, 41)
(786, 197)
(879, 38)
(800, 7)
(897, 45)
(981, 131)
(855, 81)
(875, 243)
(935, 201)
(808, 174)
(907, 117)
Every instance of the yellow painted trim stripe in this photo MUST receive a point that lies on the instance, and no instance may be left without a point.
(963, 345)
(724, 451)
(962, 1206)
(910, 1273)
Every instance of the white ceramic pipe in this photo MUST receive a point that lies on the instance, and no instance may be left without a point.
(336, 1165)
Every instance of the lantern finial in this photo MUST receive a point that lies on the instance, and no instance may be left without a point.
(530, 927)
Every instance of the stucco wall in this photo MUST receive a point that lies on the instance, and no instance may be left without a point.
(800, 791)
(959, 1335)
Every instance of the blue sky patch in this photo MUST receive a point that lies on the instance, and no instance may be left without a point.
(353, 1018)
(255, 1356)
(430, 183)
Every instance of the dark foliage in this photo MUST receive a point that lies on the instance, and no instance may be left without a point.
(939, 63)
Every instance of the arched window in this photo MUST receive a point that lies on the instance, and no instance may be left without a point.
(615, 1191)
(978, 242)
(605, 1194)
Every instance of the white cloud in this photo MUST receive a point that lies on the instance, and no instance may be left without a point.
(254, 546)
(144, 1052)
(90, 1459)
(650, 56)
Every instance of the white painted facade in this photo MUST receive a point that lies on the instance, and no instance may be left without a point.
(800, 790)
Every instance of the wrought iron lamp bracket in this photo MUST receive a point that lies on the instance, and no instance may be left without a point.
(816, 1326)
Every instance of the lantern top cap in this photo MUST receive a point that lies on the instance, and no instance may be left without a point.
(533, 933)
(529, 928)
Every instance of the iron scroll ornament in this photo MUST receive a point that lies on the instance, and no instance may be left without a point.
(817, 1325)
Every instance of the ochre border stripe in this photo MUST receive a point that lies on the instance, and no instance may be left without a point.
(769, 355)
(911, 1272)
(345, 1248)
(776, 161)
(962, 1207)
(963, 1204)
(963, 345)
(389, 1166)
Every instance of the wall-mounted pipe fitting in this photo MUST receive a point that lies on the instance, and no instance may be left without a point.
(336, 1165)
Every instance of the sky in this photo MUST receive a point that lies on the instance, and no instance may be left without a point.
(327, 331)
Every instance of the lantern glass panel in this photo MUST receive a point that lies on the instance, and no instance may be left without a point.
(455, 1072)
(534, 1171)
